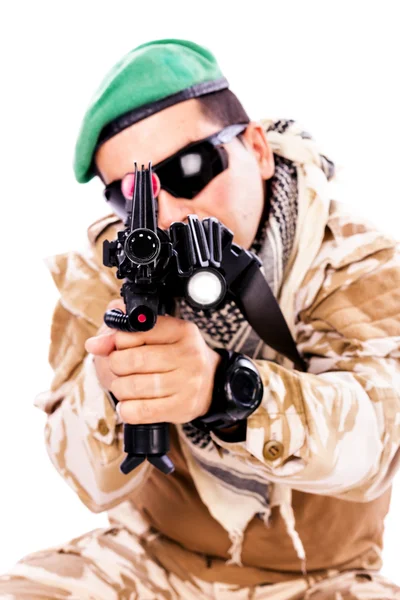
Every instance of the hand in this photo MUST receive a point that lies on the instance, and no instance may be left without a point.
(105, 337)
(162, 375)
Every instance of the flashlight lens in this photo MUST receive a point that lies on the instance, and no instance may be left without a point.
(205, 288)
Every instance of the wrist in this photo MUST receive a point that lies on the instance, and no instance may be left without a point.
(236, 394)
(215, 359)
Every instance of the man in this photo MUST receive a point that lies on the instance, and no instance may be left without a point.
(290, 502)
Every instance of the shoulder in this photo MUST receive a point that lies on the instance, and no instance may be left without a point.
(353, 248)
(105, 228)
(80, 275)
(350, 237)
(101, 225)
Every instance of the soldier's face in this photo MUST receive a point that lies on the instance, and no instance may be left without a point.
(235, 197)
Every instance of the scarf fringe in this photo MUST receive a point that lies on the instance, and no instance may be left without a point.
(235, 550)
(287, 513)
(267, 517)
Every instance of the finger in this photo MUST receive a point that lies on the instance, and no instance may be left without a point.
(104, 373)
(97, 344)
(102, 344)
(146, 386)
(167, 410)
(145, 359)
(119, 304)
(167, 330)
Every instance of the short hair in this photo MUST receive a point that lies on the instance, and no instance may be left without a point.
(223, 108)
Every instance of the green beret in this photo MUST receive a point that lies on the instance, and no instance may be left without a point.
(148, 79)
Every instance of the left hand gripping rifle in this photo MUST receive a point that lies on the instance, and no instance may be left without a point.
(198, 261)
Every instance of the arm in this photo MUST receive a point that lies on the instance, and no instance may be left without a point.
(338, 425)
(83, 436)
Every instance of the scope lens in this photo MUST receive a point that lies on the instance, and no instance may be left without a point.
(142, 246)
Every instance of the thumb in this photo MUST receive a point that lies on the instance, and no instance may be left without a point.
(104, 342)
(104, 329)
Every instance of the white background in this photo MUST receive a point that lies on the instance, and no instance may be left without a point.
(331, 65)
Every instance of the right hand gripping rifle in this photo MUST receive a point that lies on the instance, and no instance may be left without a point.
(198, 261)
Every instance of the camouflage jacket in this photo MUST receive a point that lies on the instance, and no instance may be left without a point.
(338, 425)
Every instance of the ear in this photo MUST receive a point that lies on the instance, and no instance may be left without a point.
(256, 141)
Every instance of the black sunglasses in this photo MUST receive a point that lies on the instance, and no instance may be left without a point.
(188, 171)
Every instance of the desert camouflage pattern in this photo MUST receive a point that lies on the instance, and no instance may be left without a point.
(348, 330)
(339, 423)
(115, 564)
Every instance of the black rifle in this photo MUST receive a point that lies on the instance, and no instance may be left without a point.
(198, 261)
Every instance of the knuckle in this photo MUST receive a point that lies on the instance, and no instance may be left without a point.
(201, 358)
(137, 359)
(189, 347)
(190, 328)
(120, 388)
(187, 329)
(114, 362)
(122, 339)
(119, 337)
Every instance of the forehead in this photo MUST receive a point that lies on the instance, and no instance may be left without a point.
(153, 139)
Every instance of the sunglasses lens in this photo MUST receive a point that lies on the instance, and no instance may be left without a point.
(183, 175)
(187, 173)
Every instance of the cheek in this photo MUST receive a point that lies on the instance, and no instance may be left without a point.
(221, 192)
(223, 202)
(239, 195)
(235, 198)
(214, 201)
(242, 199)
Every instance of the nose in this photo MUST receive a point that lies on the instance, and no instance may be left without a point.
(170, 209)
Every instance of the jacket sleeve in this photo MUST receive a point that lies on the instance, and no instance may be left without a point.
(335, 430)
(82, 434)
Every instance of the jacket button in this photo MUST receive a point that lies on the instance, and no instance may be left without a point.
(272, 450)
(102, 427)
